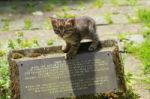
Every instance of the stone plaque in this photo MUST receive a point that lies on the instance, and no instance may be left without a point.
(52, 78)
(55, 78)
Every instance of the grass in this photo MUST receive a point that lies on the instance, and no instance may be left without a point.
(108, 18)
(98, 3)
(124, 2)
(147, 81)
(122, 36)
(129, 78)
(2, 52)
(50, 4)
(48, 7)
(132, 19)
(14, 7)
(4, 79)
(130, 94)
(68, 15)
(18, 43)
(144, 15)
(53, 1)
(115, 2)
(21, 42)
(27, 24)
(6, 24)
(30, 6)
(142, 52)
(146, 32)
(50, 42)
(65, 8)
(48, 24)
(81, 5)
(132, 2)
(65, 14)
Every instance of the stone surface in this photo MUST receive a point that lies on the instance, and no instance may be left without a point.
(136, 38)
(51, 76)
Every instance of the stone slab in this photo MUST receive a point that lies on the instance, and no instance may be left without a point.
(53, 77)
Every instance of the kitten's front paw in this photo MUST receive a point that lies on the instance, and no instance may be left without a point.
(69, 56)
(66, 48)
(92, 48)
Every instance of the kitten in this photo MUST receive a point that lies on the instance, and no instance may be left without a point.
(73, 30)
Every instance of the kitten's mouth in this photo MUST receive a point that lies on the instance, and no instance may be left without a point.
(62, 36)
(67, 36)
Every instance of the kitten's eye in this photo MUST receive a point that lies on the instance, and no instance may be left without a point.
(56, 31)
(69, 30)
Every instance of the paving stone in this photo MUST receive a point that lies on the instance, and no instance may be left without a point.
(136, 38)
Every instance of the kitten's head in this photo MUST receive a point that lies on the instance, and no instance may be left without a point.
(63, 27)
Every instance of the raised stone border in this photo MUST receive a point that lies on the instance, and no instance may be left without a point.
(37, 52)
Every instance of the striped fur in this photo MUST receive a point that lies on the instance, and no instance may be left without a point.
(74, 30)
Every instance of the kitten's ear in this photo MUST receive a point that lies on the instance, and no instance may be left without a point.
(71, 21)
(53, 21)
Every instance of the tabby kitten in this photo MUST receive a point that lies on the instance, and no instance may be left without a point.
(73, 30)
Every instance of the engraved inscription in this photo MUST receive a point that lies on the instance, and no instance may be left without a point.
(89, 73)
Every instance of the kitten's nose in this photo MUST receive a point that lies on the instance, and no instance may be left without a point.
(62, 35)
(63, 31)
